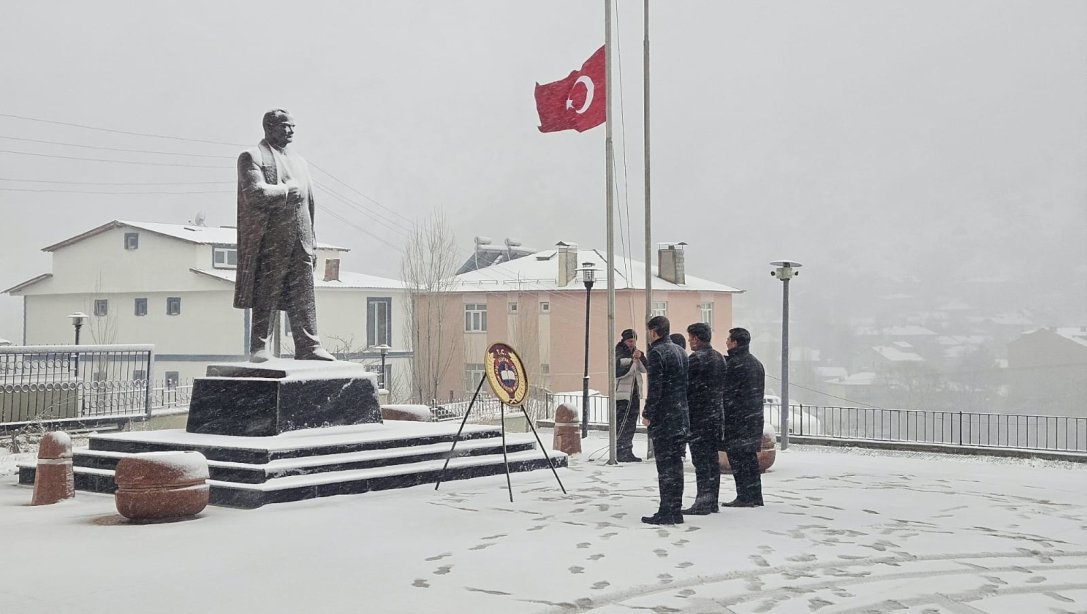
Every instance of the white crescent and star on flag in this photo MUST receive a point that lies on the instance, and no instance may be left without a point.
(589, 88)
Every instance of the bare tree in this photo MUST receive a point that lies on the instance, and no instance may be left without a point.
(427, 269)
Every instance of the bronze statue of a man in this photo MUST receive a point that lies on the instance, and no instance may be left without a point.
(275, 241)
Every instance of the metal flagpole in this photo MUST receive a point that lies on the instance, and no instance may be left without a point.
(611, 234)
(648, 216)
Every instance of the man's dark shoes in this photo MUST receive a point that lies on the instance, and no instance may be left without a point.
(659, 518)
(739, 503)
(627, 458)
(701, 509)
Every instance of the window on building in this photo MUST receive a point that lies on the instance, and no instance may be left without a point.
(132, 240)
(545, 307)
(172, 379)
(545, 368)
(141, 307)
(285, 325)
(660, 308)
(707, 313)
(475, 318)
(101, 307)
(224, 257)
(173, 305)
(512, 306)
(473, 372)
(379, 321)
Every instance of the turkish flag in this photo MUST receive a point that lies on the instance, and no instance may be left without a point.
(578, 101)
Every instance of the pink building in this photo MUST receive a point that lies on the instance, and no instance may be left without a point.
(536, 303)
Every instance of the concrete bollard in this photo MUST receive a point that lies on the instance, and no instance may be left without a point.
(53, 479)
(767, 452)
(567, 430)
(161, 485)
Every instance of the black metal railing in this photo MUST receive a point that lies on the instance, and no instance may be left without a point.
(55, 383)
(960, 428)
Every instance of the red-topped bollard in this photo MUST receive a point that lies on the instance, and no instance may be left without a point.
(161, 485)
(567, 430)
(53, 479)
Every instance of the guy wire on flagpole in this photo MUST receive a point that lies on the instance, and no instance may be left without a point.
(648, 216)
(611, 234)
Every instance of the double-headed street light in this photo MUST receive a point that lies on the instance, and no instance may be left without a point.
(786, 270)
(588, 277)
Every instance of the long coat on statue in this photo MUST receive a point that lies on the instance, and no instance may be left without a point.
(268, 227)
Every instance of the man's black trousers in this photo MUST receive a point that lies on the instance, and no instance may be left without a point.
(707, 464)
(745, 469)
(668, 452)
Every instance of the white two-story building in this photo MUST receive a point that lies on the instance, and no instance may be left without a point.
(173, 286)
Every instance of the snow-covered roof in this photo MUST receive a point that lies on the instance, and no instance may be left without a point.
(829, 372)
(862, 378)
(204, 235)
(540, 272)
(26, 284)
(896, 331)
(895, 354)
(347, 279)
(1077, 334)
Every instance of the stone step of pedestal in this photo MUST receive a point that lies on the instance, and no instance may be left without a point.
(353, 481)
(250, 473)
(294, 444)
(319, 462)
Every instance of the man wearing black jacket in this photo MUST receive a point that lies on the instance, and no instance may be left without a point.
(705, 388)
(742, 420)
(665, 416)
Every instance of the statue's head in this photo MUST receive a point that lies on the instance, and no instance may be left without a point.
(278, 127)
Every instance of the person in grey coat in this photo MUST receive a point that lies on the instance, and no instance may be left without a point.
(665, 416)
(742, 420)
(629, 367)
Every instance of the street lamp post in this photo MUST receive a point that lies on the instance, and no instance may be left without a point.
(77, 321)
(384, 349)
(786, 270)
(588, 277)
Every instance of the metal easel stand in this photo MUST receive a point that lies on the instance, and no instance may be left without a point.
(505, 457)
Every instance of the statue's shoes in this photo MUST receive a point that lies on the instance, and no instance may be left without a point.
(317, 353)
(260, 356)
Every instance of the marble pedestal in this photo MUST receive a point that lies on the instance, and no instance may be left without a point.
(269, 398)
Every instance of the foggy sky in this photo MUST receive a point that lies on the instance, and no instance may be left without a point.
(936, 142)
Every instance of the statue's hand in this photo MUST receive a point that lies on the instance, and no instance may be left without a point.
(294, 192)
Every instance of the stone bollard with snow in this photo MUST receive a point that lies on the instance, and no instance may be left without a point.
(767, 452)
(53, 479)
(161, 485)
(567, 430)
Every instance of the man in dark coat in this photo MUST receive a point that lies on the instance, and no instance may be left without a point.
(705, 389)
(629, 366)
(666, 418)
(275, 241)
(742, 420)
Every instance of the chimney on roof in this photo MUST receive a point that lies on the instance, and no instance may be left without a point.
(332, 269)
(670, 266)
(567, 262)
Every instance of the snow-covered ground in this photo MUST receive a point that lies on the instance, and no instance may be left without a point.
(842, 531)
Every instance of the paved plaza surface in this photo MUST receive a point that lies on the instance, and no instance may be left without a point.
(843, 530)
